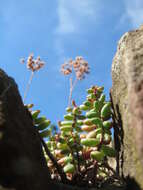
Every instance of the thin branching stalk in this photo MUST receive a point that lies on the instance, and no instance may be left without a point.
(70, 94)
(79, 68)
(72, 86)
(54, 161)
(28, 86)
(77, 153)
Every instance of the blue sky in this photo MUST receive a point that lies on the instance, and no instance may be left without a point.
(58, 30)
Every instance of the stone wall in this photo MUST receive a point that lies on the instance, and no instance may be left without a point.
(127, 97)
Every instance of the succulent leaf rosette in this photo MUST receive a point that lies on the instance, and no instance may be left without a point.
(83, 142)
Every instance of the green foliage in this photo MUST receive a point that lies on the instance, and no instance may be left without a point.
(83, 140)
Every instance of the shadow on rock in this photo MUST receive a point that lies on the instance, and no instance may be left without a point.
(132, 184)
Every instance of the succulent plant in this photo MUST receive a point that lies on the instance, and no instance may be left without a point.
(83, 140)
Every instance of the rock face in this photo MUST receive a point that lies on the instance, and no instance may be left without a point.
(22, 162)
(127, 97)
(2, 188)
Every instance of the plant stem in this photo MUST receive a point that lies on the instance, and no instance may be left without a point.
(72, 86)
(54, 161)
(75, 141)
(28, 86)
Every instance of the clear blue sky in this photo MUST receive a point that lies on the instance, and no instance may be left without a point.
(61, 29)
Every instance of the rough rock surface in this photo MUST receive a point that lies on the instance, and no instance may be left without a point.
(2, 188)
(127, 96)
(22, 162)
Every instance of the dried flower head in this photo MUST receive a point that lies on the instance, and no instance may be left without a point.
(79, 66)
(66, 69)
(33, 64)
